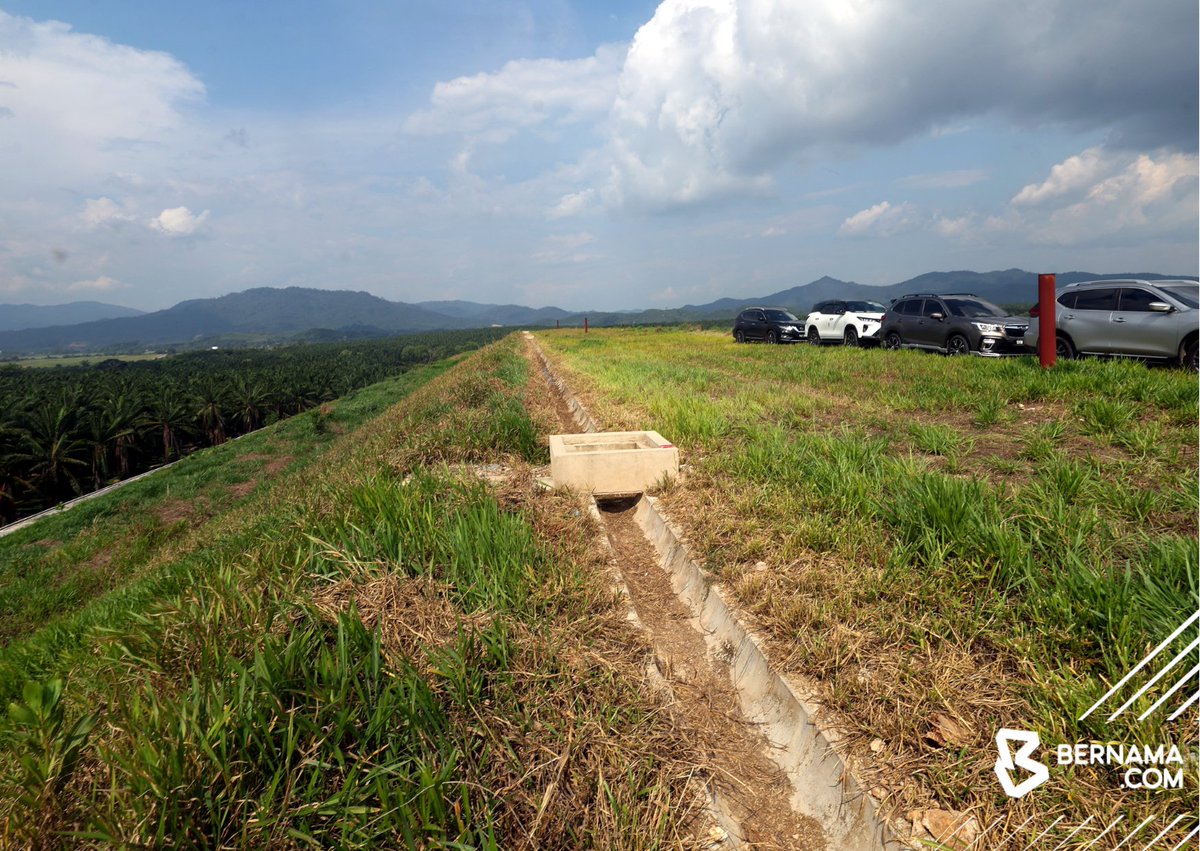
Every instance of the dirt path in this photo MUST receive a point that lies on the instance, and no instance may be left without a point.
(750, 787)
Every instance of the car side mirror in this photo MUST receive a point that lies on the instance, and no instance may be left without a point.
(1160, 307)
(938, 316)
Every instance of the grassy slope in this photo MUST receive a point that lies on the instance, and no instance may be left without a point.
(490, 700)
(981, 539)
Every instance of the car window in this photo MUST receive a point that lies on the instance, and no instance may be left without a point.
(1133, 299)
(1188, 296)
(912, 307)
(971, 307)
(1102, 299)
(866, 306)
(1067, 299)
(933, 306)
(821, 307)
(781, 316)
(758, 316)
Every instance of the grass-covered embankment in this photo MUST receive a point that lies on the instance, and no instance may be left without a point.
(377, 651)
(954, 544)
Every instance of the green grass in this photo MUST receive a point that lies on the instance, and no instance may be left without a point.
(1042, 540)
(264, 690)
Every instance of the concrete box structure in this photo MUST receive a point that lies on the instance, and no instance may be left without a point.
(611, 463)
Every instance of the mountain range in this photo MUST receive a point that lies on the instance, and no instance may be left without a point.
(266, 314)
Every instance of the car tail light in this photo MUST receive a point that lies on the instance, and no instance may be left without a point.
(1035, 310)
(882, 319)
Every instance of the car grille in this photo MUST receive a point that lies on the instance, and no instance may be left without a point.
(1015, 331)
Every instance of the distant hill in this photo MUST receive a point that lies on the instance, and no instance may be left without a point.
(495, 314)
(14, 317)
(268, 314)
(260, 311)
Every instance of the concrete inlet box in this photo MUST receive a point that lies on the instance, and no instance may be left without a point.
(613, 462)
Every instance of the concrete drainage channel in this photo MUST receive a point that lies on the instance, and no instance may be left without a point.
(780, 782)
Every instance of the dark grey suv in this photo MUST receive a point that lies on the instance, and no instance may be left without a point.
(1155, 320)
(769, 324)
(955, 323)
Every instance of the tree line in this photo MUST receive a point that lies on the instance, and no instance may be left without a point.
(66, 431)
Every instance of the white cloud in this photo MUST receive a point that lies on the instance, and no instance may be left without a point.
(178, 221)
(572, 204)
(1122, 197)
(524, 93)
(716, 94)
(79, 102)
(1072, 176)
(102, 211)
(883, 219)
(101, 284)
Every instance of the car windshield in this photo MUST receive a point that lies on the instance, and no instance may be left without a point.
(973, 308)
(866, 307)
(780, 316)
(1189, 295)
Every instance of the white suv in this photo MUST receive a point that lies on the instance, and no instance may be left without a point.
(1143, 319)
(854, 323)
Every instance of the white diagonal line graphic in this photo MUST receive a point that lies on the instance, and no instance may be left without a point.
(1195, 830)
(1015, 832)
(986, 831)
(1195, 643)
(1136, 831)
(1183, 708)
(1043, 833)
(1082, 825)
(1164, 833)
(1186, 679)
(1142, 664)
(1102, 835)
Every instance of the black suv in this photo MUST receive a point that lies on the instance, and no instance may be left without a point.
(955, 323)
(772, 324)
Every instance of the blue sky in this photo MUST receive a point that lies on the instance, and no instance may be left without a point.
(592, 156)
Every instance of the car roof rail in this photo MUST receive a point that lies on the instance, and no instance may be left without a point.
(934, 295)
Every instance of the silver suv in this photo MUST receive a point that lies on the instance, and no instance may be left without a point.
(1131, 318)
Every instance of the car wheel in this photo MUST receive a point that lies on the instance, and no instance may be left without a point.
(772, 336)
(1191, 356)
(814, 336)
(850, 338)
(958, 345)
(892, 340)
(739, 337)
(1063, 348)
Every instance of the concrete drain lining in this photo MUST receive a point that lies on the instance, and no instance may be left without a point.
(823, 788)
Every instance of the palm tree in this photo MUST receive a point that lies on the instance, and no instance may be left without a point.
(120, 414)
(251, 401)
(211, 418)
(51, 451)
(167, 413)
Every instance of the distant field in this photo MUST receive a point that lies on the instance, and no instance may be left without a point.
(79, 360)
(940, 546)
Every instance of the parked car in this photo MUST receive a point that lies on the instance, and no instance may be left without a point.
(1155, 320)
(770, 324)
(851, 322)
(954, 323)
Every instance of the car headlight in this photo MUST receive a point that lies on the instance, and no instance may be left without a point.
(867, 319)
(989, 327)
(791, 328)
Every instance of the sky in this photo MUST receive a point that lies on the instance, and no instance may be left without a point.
(605, 156)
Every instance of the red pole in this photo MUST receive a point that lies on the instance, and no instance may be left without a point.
(1047, 323)
(585, 324)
